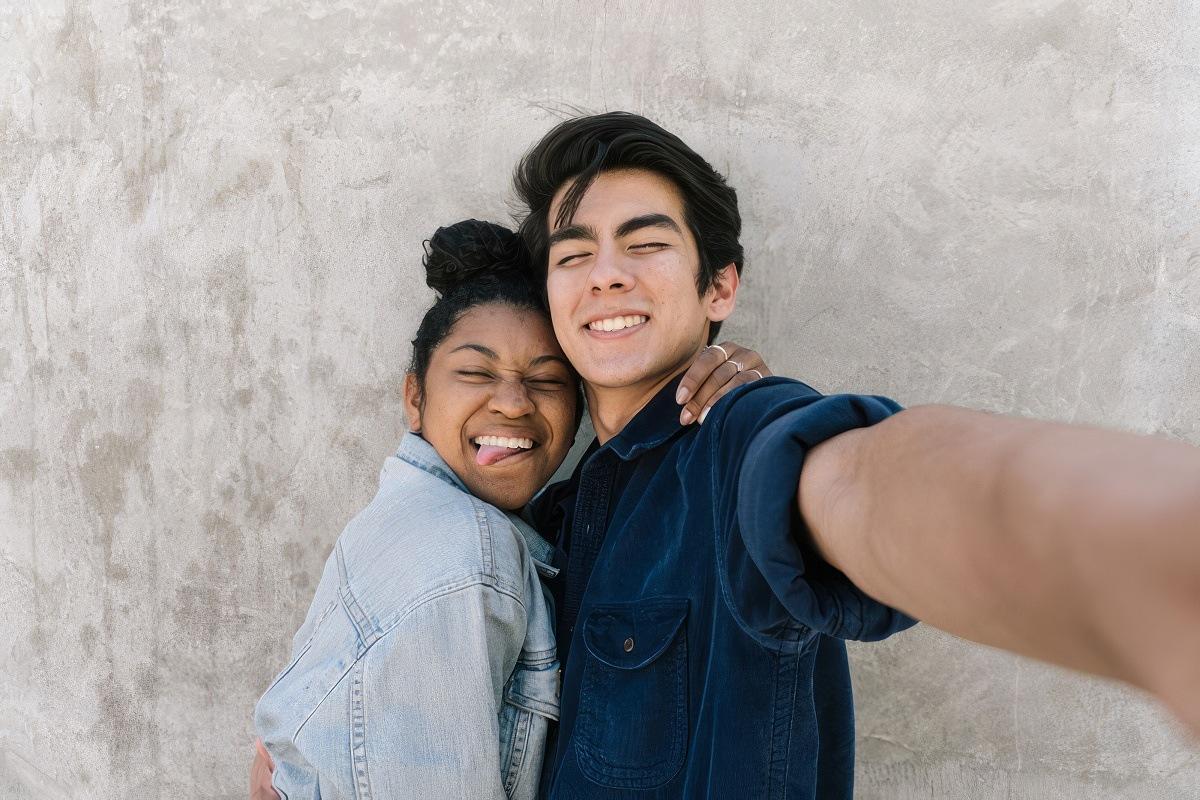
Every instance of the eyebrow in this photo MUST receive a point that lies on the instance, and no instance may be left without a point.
(648, 221)
(588, 233)
(490, 353)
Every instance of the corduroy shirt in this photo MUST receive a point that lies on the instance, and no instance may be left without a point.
(701, 634)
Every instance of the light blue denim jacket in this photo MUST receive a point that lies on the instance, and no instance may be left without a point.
(426, 666)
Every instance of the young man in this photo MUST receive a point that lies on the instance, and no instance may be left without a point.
(701, 628)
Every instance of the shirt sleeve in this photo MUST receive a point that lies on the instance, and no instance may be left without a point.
(766, 430)
(424, 698)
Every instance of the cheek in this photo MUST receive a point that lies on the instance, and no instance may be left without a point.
(560, 414)
(446, 413)
(560, 298)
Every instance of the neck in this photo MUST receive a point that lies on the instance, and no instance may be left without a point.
(612, 407)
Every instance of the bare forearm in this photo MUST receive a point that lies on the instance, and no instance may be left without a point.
(1074, 545)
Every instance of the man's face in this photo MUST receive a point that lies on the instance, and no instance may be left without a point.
(621, 281)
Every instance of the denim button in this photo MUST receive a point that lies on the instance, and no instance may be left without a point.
(629, 645)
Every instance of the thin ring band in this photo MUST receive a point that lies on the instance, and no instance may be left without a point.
(756, 372)
(736, 364)
(722, 349)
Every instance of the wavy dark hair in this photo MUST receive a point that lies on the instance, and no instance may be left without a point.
(473, 263)
(578, 150)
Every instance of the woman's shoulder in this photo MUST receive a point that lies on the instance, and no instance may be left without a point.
(421, 536)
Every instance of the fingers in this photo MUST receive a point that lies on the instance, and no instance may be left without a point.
(709, 359)
(719, 377)
(725, 372)
(740, 379)
(260, 774)
(261, 749)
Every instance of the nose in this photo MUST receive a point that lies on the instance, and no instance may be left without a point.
(610, 271)
(511, 399)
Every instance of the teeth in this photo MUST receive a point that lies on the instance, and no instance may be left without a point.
(505, 441)
(617, 323)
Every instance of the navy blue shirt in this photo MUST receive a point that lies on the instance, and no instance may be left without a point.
(702, 636)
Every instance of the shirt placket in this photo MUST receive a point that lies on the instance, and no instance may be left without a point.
(590, 523)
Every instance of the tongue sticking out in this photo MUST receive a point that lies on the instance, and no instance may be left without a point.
(489, 454)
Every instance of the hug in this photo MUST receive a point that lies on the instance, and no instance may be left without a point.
(670, 621)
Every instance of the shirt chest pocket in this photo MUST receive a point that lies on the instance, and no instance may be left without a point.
(632, 729)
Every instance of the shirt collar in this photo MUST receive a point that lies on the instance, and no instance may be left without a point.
(419, 453)
(657, 422)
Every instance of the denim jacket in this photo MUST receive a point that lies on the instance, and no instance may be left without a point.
(426, 666)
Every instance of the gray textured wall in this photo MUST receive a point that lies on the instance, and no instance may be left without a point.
(210, 217)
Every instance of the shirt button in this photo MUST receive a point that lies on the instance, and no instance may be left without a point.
(629, 645)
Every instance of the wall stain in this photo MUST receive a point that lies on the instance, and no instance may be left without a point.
(378, 399)
(19, 465)
(253, 179)
(228, 288)
(80, 361)
(88, 636)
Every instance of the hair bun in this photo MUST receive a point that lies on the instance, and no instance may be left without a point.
(468, 250)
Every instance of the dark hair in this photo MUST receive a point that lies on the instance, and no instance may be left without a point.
(469, 264)
(578, 150)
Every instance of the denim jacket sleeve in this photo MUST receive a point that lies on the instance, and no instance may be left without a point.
(420, 703)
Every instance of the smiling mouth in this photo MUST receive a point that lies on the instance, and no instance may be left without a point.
(490, 450)
(618, 323)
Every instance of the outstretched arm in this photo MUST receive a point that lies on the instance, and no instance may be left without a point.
(1073, 545)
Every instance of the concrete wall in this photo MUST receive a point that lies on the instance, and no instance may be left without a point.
(210, 217)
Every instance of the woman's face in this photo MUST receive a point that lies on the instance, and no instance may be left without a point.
(499, 403)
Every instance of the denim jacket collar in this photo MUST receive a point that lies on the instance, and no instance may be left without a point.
(419, 453)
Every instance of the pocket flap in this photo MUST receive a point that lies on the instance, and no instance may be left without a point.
(536, 690)
(631, 635)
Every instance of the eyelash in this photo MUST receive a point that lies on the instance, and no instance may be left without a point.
(566, 259)
(555, 382)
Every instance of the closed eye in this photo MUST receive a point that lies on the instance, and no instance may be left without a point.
(474, 376)
(649, 246)
(567, 259)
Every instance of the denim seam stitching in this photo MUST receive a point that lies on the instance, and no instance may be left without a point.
(358, 734)
(383, 634)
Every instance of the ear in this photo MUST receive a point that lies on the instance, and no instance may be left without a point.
(722, 295)
(413, 402)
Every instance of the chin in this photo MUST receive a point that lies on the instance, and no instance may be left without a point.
(614, 375)
(508, 500)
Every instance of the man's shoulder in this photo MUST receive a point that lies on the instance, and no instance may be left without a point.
(763, 394)
(748, 408)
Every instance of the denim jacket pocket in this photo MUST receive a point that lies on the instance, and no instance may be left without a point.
(633, 717)
(530, 703)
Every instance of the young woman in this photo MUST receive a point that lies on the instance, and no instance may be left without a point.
(426, 666)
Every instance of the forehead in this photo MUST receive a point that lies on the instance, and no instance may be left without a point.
(514, 334)
(618, 195)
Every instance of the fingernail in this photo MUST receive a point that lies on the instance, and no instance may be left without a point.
(703, 414)
(686, 417)
(681, 396)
